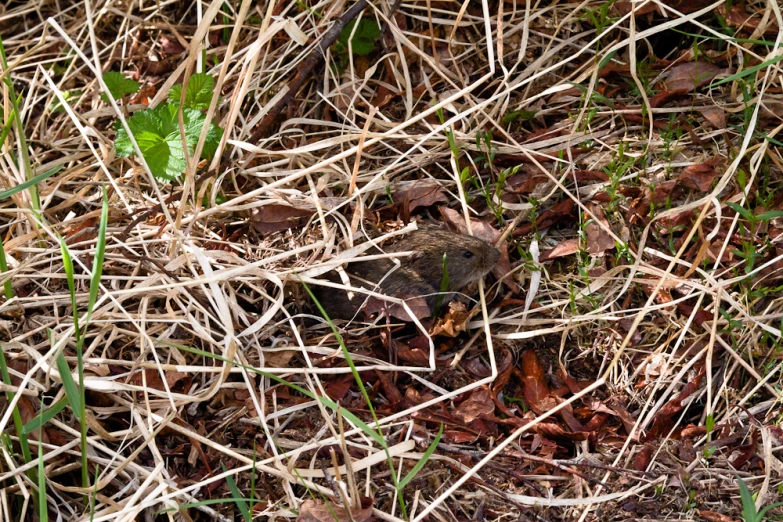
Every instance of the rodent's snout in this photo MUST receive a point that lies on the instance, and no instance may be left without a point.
(493, 254)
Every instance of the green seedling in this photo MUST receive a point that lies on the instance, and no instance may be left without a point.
(749, 513)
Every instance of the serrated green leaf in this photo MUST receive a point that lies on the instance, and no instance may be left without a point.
(198, 94)
(118, 85)
(157, 133)
(175, 94)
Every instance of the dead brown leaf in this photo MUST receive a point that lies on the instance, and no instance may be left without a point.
(274, 218)
(598, 238)
(455, 321)
(698, 177)
(313, 511)
(689, 76)
(478, 405)
(535, 383)
(562, 249)
(712, 516)
(154, 381)
(420, 194)
(716, 116)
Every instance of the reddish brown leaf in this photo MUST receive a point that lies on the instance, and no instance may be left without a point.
(583, 176)
(524, 183)
(663, 192)
(458, 437)
(701, 316)
(716, 116)
(663, 421)
(739, 18)
(746, 451)
(170, 45)
(598, 238)
(383, 96)
(478, 405)
(684, 6)
(339, 387)
(562, 249)
(643, 458)
(712, 516)
(153, 380)
(689, 76)
(313, 511)
(698, 177)
(274, 218)
(534, 381)
(415, 356)
(549, 217)
(419, 194)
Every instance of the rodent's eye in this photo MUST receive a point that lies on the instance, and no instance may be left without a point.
(468, 254)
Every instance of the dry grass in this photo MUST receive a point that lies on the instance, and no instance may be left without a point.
(660, 331)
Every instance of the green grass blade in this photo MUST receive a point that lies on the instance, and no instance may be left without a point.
(69, 276)
(45, 416)
(30, 182)
(8, 290)
(748, 71)
(23, 444)
(24, 161)
(378, 435)
(71, 391)
(739, 209)
(43, 510)
(748, 505)
(772, 214)
(97, 264)
(423, 461)
(239, 500)
(764, 510)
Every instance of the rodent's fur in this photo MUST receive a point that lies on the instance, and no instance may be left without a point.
(468, 259)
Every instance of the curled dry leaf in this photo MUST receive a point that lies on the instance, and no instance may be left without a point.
(418, 194)
(698, 177)
(274, 218)
(598, 238)
(535, 383)
(153, 380)
(312, 511)
(713, 516)
(455, 321)
(562, 249)
(478, 405)
(689, 76)
(716, 116)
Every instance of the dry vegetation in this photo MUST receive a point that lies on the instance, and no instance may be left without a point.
(622, 362)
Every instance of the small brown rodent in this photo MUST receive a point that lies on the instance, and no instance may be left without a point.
(468, 259)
